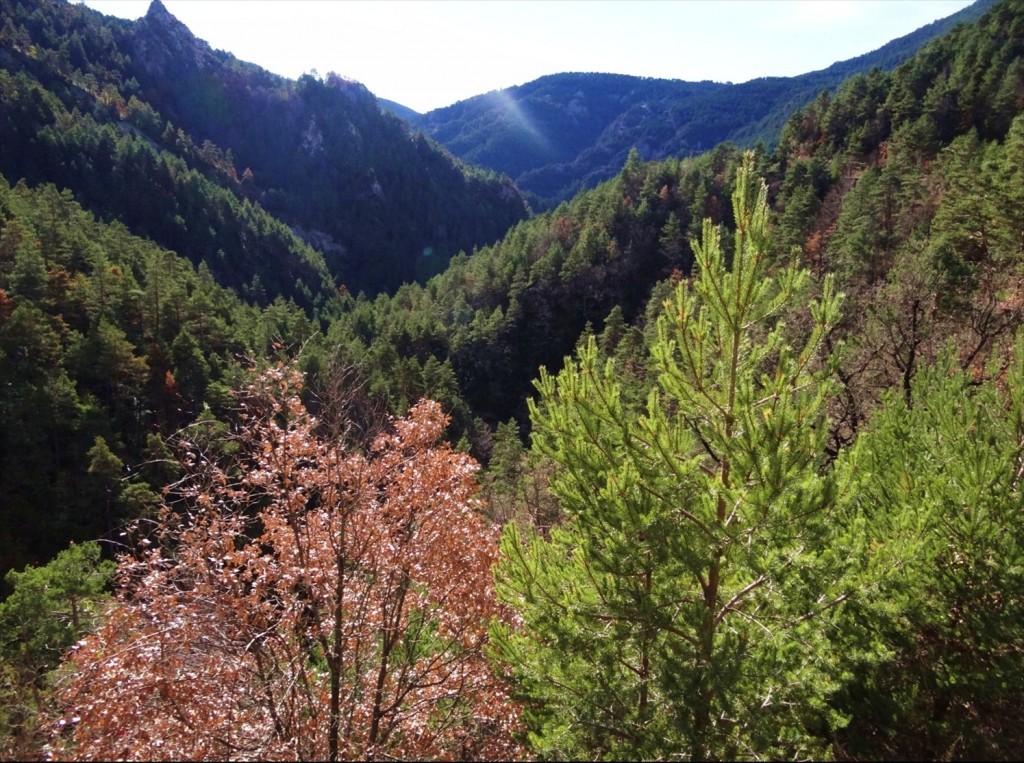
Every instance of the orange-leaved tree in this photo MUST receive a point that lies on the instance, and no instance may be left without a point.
(301, 598)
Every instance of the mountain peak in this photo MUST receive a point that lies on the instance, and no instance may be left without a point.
(163, 42)
(158, 12)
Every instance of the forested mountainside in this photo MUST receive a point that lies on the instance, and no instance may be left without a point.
(769, 505)
(107, 344)
(148, 125)
(563, 133)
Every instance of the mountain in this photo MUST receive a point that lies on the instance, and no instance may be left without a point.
(400, 111)
(130, 378)
(146, 105)
(879, 183)
(860, 183)
(565, 132)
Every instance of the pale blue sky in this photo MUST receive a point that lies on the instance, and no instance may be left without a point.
(426, 54)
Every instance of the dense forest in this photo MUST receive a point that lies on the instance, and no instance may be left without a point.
(722, 458)
(194, 149)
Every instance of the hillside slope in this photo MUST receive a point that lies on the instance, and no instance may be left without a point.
(382, 206)
(864, 184)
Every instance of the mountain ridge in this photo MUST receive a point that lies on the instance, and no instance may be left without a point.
(317, 154)
(659, 117)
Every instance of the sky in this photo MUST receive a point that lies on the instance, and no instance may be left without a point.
(425, 54)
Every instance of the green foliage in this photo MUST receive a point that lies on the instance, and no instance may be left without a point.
(51, 606)
(698, 383)
(48, 610)
(125, 176)
(936, 669)
(862, 242)
(104, 337)
(154, 128)
(492, 319)
(674, 609)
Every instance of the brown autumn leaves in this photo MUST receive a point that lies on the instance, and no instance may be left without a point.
(301, 599)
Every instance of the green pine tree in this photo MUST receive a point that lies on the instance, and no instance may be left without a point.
(49, 608)
(934, 652)
(678, 611)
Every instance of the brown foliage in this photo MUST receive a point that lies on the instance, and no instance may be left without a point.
(302, 600)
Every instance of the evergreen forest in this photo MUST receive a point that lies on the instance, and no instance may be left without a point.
(318, 442)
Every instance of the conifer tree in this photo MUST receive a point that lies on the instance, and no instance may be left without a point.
(935, 650)
(48, 609)
(677, 612)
